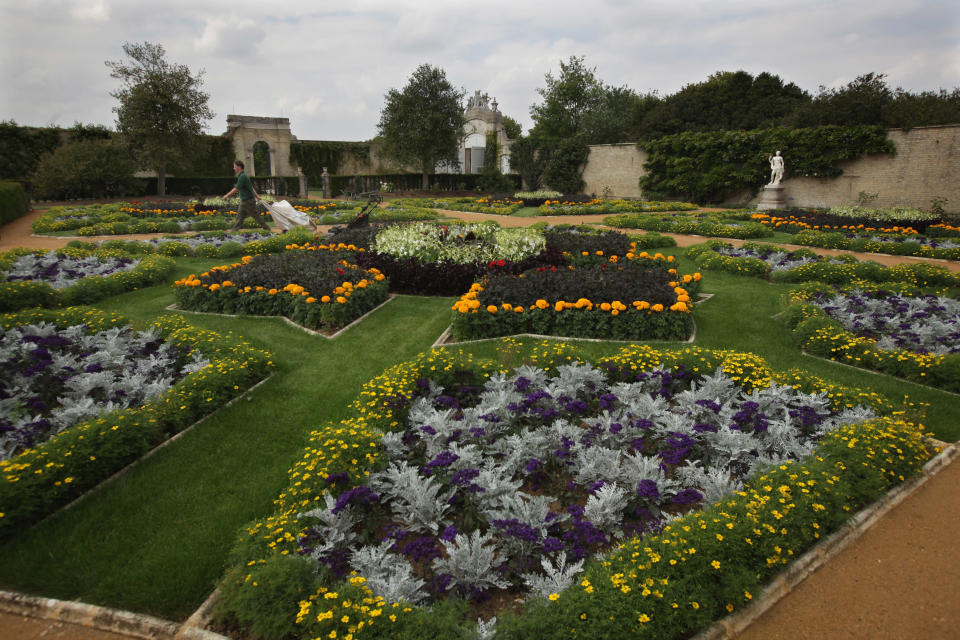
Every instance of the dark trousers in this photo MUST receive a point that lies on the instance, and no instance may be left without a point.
(248, 209)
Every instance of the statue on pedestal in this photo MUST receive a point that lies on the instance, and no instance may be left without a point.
(776, 169)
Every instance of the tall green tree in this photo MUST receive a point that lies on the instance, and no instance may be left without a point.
(422, 124)
(568, 101)
(162, 109)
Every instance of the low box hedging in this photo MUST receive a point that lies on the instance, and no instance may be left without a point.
(316, 289)
(618, 300)
(13, 202)
(23, 294)
(44, 478)
(667, 584)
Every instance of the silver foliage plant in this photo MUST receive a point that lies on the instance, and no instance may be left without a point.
(97, 372)
(64, 271)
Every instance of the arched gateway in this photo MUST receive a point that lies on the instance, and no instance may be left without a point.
(247, 131)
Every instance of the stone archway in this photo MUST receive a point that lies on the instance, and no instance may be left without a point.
(247, 131)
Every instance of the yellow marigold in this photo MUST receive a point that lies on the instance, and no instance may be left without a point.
(214, 287)
(558, 306)
(583, 303)
(325, 299)
(542, 304)
(491, 308)
(259, 288)
(341, 300)
(657, 307)
(272, 292)
(311, 300)
(605, 306)
(679, 306)
(227, 283)
(507, 306)
(518, 309)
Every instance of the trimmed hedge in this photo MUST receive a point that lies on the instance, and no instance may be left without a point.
(42, 479)
(13, 202)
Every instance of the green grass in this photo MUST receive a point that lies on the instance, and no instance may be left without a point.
(156, 540)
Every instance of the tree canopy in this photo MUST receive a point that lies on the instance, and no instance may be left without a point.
(162, 109)
(422, 124)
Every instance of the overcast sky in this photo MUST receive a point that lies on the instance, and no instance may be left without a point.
(327, 65)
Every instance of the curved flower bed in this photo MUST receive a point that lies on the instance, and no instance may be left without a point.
(914, 337)
(487, 483)
(46, 476)
(210, 244)
(637, 298)
(73, 276)
(317, 289)
(458, 243)
(803, 265)
(708, 225)
(597, 206)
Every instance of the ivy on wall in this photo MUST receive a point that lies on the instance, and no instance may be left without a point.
(312, 157)
(710, 166)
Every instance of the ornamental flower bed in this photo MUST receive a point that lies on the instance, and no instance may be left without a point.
(73, 276)
(803, 265)
(597, 206)
(916, 337)
(723, 225)
(389, 213)
(210, 244)
(454, 478)
(819, 220)
(630, 299)
(40, 479)
(316, 289)
(496, 206)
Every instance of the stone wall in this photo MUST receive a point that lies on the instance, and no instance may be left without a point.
(617, 166)
(245, 131)
(926, 166)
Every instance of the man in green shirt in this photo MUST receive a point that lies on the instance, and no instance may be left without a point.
(248, 198)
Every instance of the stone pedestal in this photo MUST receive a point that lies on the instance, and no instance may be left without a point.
(772, 197)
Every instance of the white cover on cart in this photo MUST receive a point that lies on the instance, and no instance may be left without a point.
(286, 216)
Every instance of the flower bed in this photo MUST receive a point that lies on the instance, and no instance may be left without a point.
(894, 244)
(389, 213)
(210, 244)
(637, 298)
(73, 276)
(597, 206)
(458, 243)
(702, 225)
(803, 265)
(316, 289)
(500, 207)
(43, 478)
(165, 217)
(915, 337)
(818, 220)
(460, 464)
(55, 377)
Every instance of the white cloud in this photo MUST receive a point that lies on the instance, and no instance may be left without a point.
(96, 11)
(231, 37)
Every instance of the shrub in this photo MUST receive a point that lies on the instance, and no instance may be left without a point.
(13, 202)
(86, 169)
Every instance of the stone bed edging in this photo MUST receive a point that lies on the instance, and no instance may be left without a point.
(806, 565)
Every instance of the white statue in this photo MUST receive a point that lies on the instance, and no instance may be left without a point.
(776, 169)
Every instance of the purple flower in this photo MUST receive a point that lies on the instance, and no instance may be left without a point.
(442, 460)
(648, 489)
(449, 534)
(687, 496)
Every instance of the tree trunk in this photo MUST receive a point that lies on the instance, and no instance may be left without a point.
(162, 178)
(425, 184)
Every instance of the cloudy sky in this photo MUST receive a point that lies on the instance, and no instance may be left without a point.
(327, 65)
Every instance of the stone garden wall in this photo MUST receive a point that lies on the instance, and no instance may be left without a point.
(926, 166)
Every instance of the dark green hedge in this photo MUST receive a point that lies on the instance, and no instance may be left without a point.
(709, 166)
(217, 186)
(13, 202)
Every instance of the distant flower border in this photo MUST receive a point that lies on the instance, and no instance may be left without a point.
(38, 481)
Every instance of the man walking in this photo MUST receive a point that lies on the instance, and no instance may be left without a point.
(248, 198)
